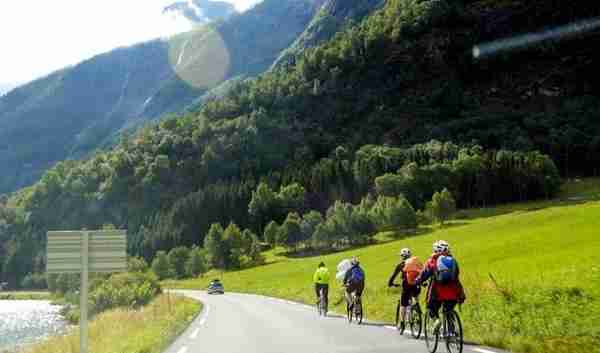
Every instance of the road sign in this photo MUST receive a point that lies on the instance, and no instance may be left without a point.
(107, 251)
(84, 252)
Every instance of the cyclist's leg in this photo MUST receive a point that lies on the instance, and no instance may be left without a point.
(404, 303)
(317, 291)
(326, 295)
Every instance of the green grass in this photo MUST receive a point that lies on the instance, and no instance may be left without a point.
(148, 330)
(543, 257)
(25, 296)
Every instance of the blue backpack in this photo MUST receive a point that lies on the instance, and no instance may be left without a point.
(357, 274)
(447, 269)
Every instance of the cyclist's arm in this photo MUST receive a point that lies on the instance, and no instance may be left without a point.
(397, 271)
(316, 277)
(425, 275)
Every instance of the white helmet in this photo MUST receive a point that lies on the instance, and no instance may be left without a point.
(354, 261)
(443, 246)
(405, 253)
(436, 247)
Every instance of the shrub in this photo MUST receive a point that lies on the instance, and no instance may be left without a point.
(130, 290)
(442, 206)
(34, 281)
(137, 264)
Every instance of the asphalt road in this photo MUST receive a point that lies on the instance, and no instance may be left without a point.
(235, 323)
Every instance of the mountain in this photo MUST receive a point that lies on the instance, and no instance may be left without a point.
(200, 11)
(78, 109)
(5, 87)
(331, 18)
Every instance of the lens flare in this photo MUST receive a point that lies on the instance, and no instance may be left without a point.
(529, 39)
(201, 59)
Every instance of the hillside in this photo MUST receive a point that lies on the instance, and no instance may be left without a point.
(76, 110)
(533, 304)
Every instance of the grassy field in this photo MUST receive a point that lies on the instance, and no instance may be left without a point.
(149, 330)
(545, 296)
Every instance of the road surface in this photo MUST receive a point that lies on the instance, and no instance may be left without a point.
(236, 323)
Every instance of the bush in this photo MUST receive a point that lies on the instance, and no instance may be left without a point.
(34, 281)
(130, 290)
(137, 264)
(160, 266)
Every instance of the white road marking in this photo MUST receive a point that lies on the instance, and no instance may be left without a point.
(195, 333)
(481, 350)
(183, 349)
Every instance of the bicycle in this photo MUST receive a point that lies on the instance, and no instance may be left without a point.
(415, 317)
(450, 330)
(354, 309)
(322, 305)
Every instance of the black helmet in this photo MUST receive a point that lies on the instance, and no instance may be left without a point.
(322, 264)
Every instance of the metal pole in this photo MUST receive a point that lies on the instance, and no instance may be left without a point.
(83, 319)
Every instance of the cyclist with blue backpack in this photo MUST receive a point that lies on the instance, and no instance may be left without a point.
(445, 287)
(354, 281)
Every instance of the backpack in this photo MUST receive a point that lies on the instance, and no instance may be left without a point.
(412, 268)
(447, 269)
(357, 274)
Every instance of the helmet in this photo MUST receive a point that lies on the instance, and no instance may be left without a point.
(322, 264)
(354, 261)
(443, 246)
(405, 253)
(436, 247)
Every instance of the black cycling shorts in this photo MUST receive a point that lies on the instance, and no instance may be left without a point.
(407, 293)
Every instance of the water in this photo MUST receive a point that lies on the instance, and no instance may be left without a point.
(27, 321)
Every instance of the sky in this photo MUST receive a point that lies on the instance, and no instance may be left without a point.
(39, 37)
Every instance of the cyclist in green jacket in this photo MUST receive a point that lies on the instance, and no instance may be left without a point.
(321, 280)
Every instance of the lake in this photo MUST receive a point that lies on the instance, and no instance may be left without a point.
(27, 321)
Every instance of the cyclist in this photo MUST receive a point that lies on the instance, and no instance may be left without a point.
(445, 287)
(409, 267)
(354, 281)
(321, 280)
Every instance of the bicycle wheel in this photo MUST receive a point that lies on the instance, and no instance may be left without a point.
(358, 312)
(416, 321)
(431, 335)
(453, 332)
(398, 315)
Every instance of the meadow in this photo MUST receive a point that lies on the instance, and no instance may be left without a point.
(530, 272)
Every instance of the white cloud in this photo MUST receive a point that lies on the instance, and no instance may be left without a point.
(43, 36)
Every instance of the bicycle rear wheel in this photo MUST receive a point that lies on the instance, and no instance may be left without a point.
(431, 335)
(358, 312)
(454, 332)
(416, 321)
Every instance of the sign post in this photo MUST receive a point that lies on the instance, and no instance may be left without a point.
(84, 252)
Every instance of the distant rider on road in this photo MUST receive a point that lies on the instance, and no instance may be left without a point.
(321, 280)
(354, 281)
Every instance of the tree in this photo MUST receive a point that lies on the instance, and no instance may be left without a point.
(196, 264)
(160, 265)
(263, 203)
(213, 243)
(247, 239)
(178, 258)
(290, 234)
(255, 254)
(309, 224)
(271, 235)
(291, 198)
(442, 206)
(233, 241)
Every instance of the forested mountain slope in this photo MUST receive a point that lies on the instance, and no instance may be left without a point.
(339, 119)
(76, 110)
